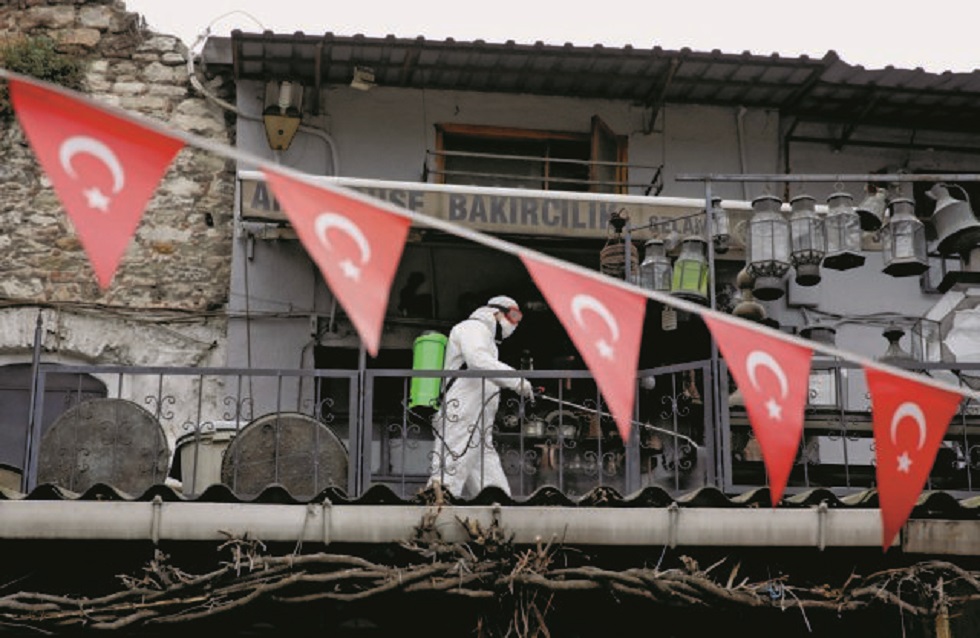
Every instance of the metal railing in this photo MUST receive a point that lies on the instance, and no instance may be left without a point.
(546, 179)
(310, 430)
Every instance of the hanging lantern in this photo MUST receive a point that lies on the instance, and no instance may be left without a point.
(720, 226)
(768, 247)
(808, 240)
(843, 226)
(612, 257)
(747, 307)
(655, 270)
(903, 240)
(690, 279)
(872, 209)
(956, 227)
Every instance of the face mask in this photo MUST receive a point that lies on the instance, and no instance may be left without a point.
(505, 328)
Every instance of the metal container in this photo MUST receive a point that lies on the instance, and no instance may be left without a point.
(428, 353)
(956, 227)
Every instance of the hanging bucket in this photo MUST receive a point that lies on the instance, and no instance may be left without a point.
(428, 353)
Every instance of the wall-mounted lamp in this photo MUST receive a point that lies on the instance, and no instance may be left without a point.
(282, 113)
(363, 79)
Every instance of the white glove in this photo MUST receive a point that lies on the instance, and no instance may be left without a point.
(525, 389)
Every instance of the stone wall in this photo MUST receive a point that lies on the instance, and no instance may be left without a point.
(175, 274)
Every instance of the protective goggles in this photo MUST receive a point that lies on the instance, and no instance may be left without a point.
(512, 314)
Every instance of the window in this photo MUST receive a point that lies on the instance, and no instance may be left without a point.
(523, 158)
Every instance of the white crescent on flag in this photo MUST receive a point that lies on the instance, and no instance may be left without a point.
(327, 220)
(909, 409)
(91, 146)
(582, 302)
(758, 358)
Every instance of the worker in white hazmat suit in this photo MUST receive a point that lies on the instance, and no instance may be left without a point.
(464, 456)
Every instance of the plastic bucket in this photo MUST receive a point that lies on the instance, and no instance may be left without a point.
(198, 455)
(428, 353)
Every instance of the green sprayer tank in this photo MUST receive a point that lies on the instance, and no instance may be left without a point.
(428, 353)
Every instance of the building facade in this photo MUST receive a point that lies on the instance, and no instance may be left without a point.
(217, 389)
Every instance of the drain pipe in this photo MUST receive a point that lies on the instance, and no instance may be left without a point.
(161, 520)
(740, 140)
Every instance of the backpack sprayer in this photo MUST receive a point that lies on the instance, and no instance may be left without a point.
(428, 353)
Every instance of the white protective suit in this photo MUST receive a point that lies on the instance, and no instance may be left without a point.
(464, 455)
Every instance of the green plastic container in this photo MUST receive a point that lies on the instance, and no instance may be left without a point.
(428, 353)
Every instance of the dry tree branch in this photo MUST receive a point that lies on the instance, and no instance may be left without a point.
(524, 582)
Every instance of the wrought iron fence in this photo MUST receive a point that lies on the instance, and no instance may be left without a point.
(307, 430)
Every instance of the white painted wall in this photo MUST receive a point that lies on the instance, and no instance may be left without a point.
(384, 133)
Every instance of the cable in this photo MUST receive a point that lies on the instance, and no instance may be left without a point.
(231, 108)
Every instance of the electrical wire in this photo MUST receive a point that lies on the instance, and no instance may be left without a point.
(231, 108)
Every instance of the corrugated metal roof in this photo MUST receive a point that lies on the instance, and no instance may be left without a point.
(825, 90)
(930, 504)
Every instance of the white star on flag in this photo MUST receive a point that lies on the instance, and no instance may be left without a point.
(96, 199)
(605, 350)
(772, 375)
(775, 410)
(904, 463)
(62, 130)
(910, 420)
(350, 270)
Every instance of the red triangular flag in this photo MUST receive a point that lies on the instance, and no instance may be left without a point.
(605, 323)
(357, 247)
(773, 375)
(104, 168)
(910, 421)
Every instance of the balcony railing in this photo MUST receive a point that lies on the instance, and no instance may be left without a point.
(309, 430)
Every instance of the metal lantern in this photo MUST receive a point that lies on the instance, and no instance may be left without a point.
(956, 227)
(872, 209)
(612, 257)
(807, 239)
(747, 307)
(690, 279)
(903, 240)
(655, 269)
(843, 227)
(768, 247)
(720, 226)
